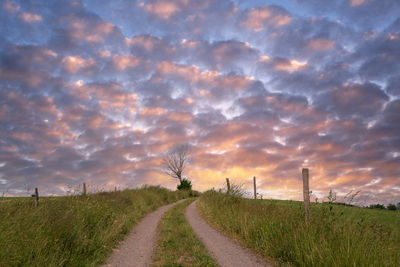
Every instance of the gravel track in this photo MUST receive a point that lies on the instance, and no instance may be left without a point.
(137, 248)
(224, 250)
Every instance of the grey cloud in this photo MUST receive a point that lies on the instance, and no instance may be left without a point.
(363, 100)
(368, 14)
(393, 86)
(226, 56)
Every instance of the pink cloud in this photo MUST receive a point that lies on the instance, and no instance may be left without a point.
(161, 9)
(122, 62)
(257, 19)
(289, 65)
(355, 3)
(320, 44)
(30, 17)
(73, 64)
(10, 6)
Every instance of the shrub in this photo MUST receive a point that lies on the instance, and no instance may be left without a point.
(377, 206)
(185, 185)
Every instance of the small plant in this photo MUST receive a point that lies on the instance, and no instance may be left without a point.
(348, 199)
(185, 185)
(331, 196)
(237, 190)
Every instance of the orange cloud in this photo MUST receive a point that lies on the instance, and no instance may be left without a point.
(320, 44)
(189, 43)
(182, 117)
(105, 53)
(148, 43)
(152, 111)
(258, 18)
(205, 79)
(355, 3)
(125, 61)
(290, 65)
(161, 9)
(235, 82)
(98, 33)
(73, 64)
(185, 71)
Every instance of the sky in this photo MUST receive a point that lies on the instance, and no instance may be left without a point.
(99, 91)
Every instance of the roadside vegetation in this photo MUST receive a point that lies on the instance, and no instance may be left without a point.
(336, 235)
(73, 230)
(178, 244)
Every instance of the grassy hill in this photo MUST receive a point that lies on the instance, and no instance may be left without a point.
(336, 235)
(73, 230)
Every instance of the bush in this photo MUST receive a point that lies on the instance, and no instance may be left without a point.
(377, 206)
(185, 185)
(391, 207)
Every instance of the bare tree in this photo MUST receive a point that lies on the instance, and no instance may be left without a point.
(175, 161)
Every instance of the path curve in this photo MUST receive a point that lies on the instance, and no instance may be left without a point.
(137, 248)
(223, 249)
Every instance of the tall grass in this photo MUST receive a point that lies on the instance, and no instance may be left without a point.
(335, 236)
(73, 230)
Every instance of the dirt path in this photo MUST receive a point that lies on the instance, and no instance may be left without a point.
(137, 248)
(223, 249)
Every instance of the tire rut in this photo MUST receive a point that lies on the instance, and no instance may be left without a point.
(138, 246)
(224, 250)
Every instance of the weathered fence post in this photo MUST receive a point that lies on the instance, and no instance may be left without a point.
(36, 196)
(255, 189)
(228, 186)
(306, 193)
(115, 189)
(84, 189)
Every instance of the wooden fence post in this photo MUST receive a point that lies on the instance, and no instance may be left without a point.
(84, 189)
(255, 189)
(228, 186)
(306, 193)
(36, 196)
(115, 189)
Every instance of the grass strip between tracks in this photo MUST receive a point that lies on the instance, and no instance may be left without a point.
(178, 244)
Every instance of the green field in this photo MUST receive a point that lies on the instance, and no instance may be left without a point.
(335, 236)
(73, 230)
(82, 230)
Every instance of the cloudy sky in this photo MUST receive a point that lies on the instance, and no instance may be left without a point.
(98, 91)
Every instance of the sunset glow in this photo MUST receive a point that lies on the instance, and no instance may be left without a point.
(99, 91)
